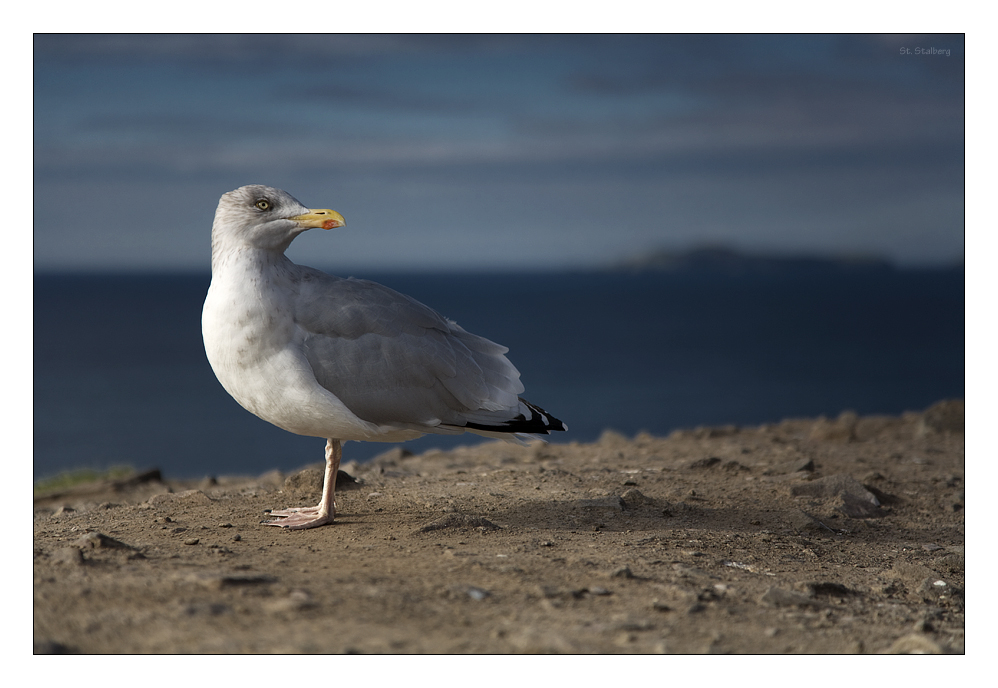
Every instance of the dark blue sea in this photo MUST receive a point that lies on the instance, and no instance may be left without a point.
(120, 375)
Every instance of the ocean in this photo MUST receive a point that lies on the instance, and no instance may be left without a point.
(120, 375)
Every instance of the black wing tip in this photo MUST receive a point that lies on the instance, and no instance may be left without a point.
(540, 423)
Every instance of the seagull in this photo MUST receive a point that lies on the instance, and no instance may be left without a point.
(342, 358)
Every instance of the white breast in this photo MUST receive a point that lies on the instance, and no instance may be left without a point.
(253, 346)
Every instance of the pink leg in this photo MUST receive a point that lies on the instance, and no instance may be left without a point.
(314, 516)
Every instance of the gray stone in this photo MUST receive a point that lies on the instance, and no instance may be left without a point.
(458, 521)
(852, 498)
(778, 597)
(709, 462)
(100, 541)
(635, 499)
(803, 522)
(828, 589)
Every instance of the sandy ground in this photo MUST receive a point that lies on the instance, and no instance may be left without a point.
(807, 536)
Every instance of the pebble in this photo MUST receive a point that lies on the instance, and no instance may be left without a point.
(778, 597)
(634, 499)
(709, 462)
(803, 522)
(100, 541)
(855, 500)
(192, 541)
(828, 589)
(458, 521)
(478, 594)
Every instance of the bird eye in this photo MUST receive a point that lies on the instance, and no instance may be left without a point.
(263, 204)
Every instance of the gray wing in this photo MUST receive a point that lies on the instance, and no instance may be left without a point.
(392, 360)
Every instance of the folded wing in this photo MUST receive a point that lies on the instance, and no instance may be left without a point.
(393, 361)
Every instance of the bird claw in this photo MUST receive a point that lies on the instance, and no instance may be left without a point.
(300, 518)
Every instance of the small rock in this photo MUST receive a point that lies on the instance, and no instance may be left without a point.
(100, 541)
(855, 506)
(478, 594)
(854, 500)
(915, 644)
(778, 597)
(458, 521)
(192, 541)
(709, 462)
(345, 481)
(827, 589)
(805, 523)
(622, 572)
(634, 499)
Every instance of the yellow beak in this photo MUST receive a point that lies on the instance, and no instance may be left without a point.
(327, 219)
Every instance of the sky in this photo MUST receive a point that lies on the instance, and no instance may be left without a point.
(466, 152)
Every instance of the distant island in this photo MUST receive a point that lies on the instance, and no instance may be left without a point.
(721, 260)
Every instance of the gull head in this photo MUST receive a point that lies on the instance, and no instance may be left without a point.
(263, 217)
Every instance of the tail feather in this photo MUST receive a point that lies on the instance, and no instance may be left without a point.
(538, 422)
